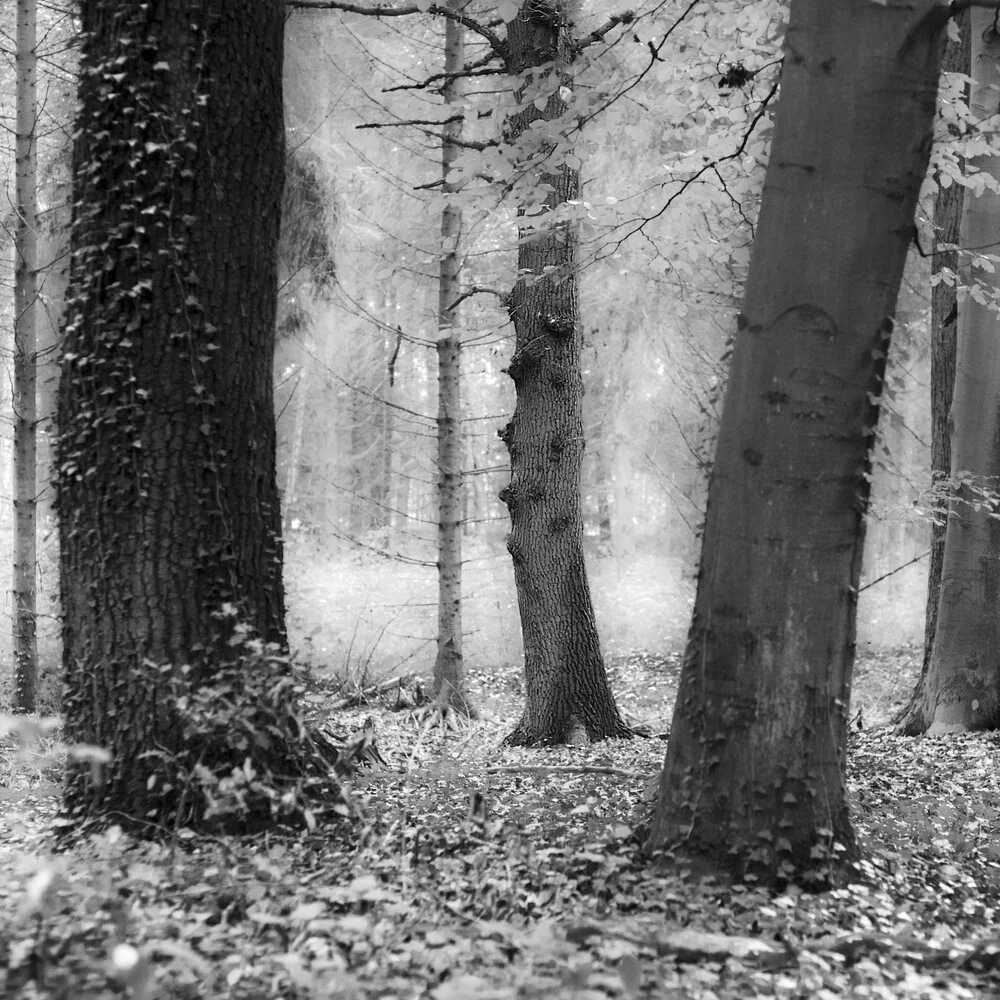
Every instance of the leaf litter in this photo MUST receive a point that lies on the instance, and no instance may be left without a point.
(493, 873)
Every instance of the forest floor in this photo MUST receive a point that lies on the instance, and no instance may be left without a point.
(546, 896)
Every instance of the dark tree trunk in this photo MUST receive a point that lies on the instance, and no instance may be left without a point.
(567, 691)
(944, 329)
(25, 567)
(168, 503)
(753, 781)
(960, 689)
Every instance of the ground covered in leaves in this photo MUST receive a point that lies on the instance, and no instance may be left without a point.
(494, 874)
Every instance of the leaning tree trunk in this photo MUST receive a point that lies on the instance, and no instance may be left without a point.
(567, 690)
(948, 206)
(168, 502)
(450, 694)
(753, 779)
(25, 371)
(961, 690)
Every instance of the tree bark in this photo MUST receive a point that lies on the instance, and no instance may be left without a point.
(567, 691)
(753, 781)
(168, 501)
(450, 692)
(25, 372)
(961, 690)
(948, 205)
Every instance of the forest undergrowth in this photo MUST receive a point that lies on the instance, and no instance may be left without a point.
(495, 873)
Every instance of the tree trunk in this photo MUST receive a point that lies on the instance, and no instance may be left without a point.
(25, 373)
(948, 205)
(961, 690)
(168, 501)
(291, 506)
(603, 487)
(753, 779)
(567, 691)
(449, 667)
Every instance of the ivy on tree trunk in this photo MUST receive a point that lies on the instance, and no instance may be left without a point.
(168, 508)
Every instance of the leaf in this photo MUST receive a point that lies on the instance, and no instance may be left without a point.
(507, 9)
(307, 912)
(630, 970)
(462, 987)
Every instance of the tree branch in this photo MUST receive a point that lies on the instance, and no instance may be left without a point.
(435, 77)
(539, 769)
(625, 17)
(421, 124)
(476, 290)
(497, 44)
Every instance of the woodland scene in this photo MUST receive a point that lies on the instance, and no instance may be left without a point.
(501, 500)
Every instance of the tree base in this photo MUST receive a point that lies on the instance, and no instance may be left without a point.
(440, 715)
(566, 732)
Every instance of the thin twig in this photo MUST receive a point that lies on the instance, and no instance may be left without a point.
(541, 769)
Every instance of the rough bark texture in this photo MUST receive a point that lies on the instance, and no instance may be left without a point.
(961, 689)
(450, 692)
(25, 372)
(168, 503)
(948, 205)
(567, 692)
(753, 778)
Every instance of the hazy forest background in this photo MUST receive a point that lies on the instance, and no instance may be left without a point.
(664, 252)
(199, 822)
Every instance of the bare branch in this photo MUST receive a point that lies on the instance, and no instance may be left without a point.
(541, 769)
(497, 44)
(625, 17)
(445, 78)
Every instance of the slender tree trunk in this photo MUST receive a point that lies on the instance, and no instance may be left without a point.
(450, 692)
(603, 487)
(567, 691)
(291, 507)
(449, 666)
(753, 779)
(388, 433)
(948, 206)
(168, 501)
(25, 373)
(961, 690)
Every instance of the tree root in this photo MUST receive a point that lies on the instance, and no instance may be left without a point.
(438, 716)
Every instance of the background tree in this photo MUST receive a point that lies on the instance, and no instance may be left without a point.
(25, 359)
(450, 693)
(947, 216)
(960, 689)
(168, 505)
(566, 687)
(753, 778)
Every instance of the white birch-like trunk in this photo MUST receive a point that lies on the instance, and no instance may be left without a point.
(25, 376)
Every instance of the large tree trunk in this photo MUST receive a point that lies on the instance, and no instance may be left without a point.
(567, 691)
(948, 205)
(753, 778)
(168, 502)
(961, 689)
(25, 372)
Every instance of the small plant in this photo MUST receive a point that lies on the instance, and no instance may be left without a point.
(248, 759)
